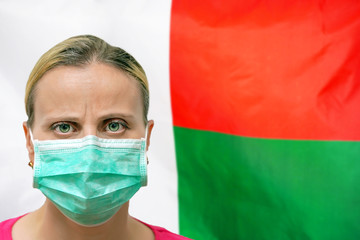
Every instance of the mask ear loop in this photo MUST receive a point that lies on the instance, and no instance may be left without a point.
(30, 164)
(146, 135)
(146, 132)
(144, 159)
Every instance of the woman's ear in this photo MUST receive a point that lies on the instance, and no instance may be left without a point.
(29, 143)
(149, 130)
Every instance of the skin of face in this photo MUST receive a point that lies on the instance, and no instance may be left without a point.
(96, 99)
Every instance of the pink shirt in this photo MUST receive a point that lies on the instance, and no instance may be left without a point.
(159, 232)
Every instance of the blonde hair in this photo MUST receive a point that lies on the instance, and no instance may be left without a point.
(79, 51)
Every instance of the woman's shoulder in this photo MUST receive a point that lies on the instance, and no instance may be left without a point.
(163, 234)
(6, 227)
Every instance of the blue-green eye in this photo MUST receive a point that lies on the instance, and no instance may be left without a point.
(115, 126)
(63, 127)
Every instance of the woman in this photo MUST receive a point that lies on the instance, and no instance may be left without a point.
(87, 135)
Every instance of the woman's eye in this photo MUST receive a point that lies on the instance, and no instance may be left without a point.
(114, 126)
(63, 127)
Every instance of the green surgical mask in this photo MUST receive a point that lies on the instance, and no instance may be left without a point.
(89, 179)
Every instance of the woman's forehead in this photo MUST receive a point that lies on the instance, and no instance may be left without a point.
(88, 89)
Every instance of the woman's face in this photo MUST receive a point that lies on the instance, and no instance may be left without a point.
(96, 99)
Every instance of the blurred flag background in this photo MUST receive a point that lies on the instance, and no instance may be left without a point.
(256, 107)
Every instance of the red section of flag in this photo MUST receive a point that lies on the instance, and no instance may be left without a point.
(269, 69)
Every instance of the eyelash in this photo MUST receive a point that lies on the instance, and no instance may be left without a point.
(120, 121)
(58, 124)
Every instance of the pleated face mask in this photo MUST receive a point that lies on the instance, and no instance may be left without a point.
(89, 179)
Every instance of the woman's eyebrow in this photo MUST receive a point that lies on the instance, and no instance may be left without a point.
(61, 118)
(117, 115)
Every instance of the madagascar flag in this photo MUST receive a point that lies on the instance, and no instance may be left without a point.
(266, 110)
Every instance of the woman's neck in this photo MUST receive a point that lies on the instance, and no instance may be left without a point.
(49, 223)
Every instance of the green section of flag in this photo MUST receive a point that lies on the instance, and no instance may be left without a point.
(233, 187)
